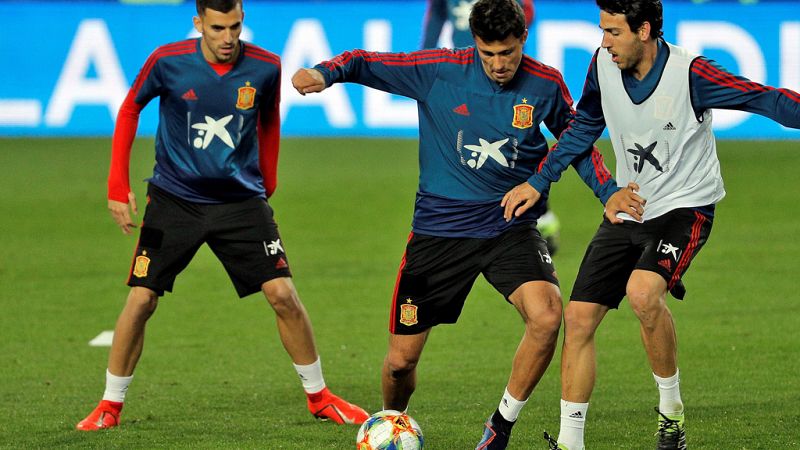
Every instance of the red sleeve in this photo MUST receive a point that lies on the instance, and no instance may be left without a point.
(124, 132)
(269, 137)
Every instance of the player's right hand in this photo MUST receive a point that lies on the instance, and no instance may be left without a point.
(120, 212)
(308, 80)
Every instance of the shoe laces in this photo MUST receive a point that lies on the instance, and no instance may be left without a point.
(552, 443)
(669, 432)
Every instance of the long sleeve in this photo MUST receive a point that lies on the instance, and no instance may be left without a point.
(714, 87)
(408, 74)
(577, 140)
(269, 131)
(121, 143)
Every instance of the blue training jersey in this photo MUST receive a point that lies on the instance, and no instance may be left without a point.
(477, 139)
(711, 86)
(207, 136)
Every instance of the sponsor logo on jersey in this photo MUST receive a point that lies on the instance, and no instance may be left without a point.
(141, 266)
(408, 313)
(461, 109)
(523, 115)
(669, 127)
(667, 264)
(211, 128)
(247, 97)
(642, 154)
(482, 152)
(281, 264)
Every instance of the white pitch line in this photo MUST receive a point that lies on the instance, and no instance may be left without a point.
(103, 339)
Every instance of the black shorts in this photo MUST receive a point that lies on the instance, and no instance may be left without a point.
(243, 235)
(665, 245)
(437, 273)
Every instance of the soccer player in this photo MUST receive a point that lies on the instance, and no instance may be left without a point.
(656, 100)
(216, 160)
(457, 13)
(479, 112)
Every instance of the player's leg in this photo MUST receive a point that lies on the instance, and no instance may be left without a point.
(399, 374)
(168, 240)
(519, 266)
(578, 369)
(599, 286)
(126, 348)
(670, 243)
(245, 238)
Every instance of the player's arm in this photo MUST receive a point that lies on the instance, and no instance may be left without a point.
(435, 17)
(714, 87)
(269, 136)
(121, 200)
(407, 74)
(576, 138)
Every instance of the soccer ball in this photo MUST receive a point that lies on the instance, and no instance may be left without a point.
(389, 430)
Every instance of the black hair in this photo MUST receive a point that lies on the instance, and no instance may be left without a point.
(222, 6)
(636, 13)
(496, 20)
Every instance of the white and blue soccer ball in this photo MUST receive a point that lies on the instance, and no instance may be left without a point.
(389, 430)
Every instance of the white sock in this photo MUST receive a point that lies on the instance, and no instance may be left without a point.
(573, 418)
(311, 376)
(116, 387)
(510, 407)
(669, 390)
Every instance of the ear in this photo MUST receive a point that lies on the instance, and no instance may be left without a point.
(644, 31)
(524, 36)
(198, 24)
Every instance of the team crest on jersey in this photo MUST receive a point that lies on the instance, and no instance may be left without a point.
(523, 115)
(408, 313)
(141, 266)
(247, 97)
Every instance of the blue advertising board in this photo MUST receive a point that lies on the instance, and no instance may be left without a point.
(68, 65)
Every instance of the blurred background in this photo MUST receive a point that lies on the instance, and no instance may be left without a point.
(68, 64)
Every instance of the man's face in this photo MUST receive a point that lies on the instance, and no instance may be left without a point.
(626, 46)
(501, 59)
(220, 41)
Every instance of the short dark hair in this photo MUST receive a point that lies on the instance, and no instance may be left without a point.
(495, 20)
(222, 6)
(637, 12)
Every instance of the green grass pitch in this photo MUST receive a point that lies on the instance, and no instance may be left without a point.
(214, 374)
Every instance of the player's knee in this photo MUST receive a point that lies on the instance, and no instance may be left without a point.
(282, 297)
(646, 305)
(399, 365)
(144, 301)
(578, 326)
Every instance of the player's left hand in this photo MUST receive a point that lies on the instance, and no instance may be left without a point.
(518, 200)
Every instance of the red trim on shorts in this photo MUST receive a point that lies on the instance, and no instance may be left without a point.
(393, 314)
(697, 227)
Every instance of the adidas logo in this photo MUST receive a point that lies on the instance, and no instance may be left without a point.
(281, 264)
(576, 415)
(665, 263)
(669, 127)
(189, 95)
(461, 109)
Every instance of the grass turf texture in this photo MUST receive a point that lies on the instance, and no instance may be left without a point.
(214, 374)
